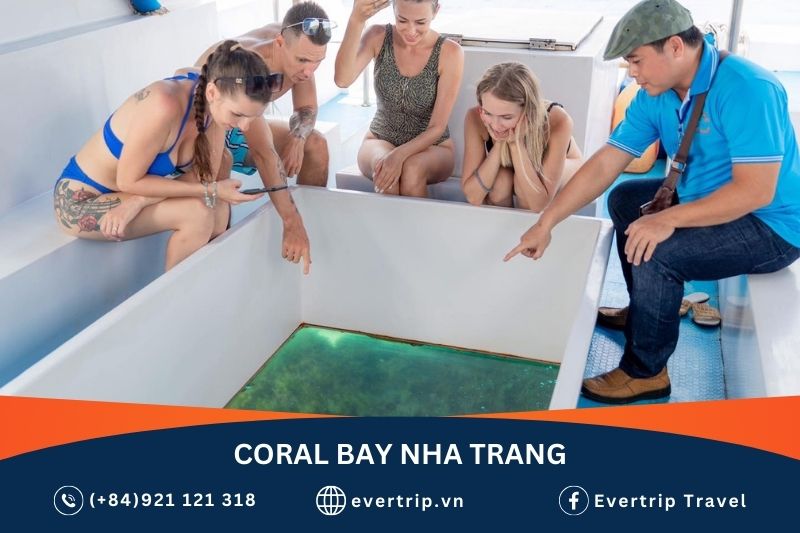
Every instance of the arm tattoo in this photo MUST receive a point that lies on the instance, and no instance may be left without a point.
(141, 95)
(281, 169)
(82, 208)
(302, 122)
(282, 175)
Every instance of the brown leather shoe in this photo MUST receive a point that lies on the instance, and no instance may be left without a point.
(612, 317)
(615, 317)
(618, 387)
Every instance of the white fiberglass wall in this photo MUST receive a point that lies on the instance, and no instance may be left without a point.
(415, 269)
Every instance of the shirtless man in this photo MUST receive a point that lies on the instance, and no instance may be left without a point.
(295, 48)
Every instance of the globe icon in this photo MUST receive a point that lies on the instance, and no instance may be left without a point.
(331, 500)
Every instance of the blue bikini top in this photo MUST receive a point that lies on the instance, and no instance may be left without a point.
(162, 165)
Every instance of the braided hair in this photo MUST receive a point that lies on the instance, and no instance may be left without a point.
(229, 61)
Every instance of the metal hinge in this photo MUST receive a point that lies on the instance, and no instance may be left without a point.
(542, 44)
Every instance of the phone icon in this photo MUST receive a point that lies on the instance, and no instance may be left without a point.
(68, 500)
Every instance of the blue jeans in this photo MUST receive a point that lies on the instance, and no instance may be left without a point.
(655, 287)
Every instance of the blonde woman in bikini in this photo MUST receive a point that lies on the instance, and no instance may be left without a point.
(516, 143)
(417, 77)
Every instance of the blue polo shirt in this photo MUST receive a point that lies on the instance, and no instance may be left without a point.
(745, 120)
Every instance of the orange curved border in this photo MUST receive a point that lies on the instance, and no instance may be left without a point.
(769, 424)
(30, 424)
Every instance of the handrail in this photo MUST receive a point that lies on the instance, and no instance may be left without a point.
(365, 100)
(735, 26)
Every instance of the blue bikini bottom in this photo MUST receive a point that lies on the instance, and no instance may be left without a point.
(74, 172)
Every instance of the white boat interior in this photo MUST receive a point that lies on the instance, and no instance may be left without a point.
(195, 335)
(82, 319)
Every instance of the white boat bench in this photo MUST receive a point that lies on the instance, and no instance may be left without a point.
(350, 178)
(761, 333)
(67, 79)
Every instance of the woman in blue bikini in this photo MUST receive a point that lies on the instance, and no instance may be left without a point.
(117, 188)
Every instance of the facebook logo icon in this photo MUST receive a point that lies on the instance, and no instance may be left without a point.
(573, 500)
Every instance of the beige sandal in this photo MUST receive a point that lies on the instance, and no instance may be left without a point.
(705, 315)
(689, 299)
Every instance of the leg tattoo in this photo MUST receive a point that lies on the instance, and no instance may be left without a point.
(82, 209)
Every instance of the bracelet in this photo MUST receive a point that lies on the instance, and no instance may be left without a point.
(480, 181)
(210, 198)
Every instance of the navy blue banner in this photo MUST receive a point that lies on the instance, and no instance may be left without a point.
(395, 474)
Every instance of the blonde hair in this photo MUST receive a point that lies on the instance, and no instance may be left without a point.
(434, 2)
(514, 82)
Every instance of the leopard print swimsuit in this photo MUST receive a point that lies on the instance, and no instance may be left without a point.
(405, 105)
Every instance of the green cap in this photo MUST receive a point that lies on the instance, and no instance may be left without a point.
(646, 22)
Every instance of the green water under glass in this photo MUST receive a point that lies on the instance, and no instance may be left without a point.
(328, 371)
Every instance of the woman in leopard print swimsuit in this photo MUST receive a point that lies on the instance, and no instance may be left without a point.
(417, 77)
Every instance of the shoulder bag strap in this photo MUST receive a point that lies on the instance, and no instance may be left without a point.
(678, 165)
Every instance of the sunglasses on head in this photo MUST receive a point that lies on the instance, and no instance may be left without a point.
(315, 26)
(257, 84)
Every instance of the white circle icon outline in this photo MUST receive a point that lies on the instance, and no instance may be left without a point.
(577, 490)
(65, 502)
(331, 500)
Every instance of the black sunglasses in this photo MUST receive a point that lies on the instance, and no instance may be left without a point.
(256, 84)
(314, 26)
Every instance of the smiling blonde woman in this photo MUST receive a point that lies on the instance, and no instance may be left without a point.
(516, 143)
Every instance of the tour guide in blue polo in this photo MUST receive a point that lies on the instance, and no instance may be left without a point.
(739, 198)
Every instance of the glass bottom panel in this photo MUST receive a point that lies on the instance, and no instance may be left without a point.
(329, 371)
